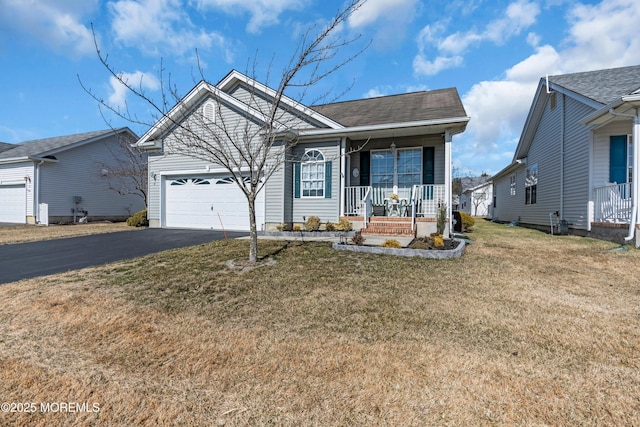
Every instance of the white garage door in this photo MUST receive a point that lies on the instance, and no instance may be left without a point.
(13, 204)
(208, 202)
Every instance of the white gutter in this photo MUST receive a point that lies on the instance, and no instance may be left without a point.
(383, 127)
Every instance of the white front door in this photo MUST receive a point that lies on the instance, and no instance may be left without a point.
(13, 204)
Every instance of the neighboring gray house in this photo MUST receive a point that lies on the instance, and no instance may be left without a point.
(58, 179)
(349, 158)
(478, 200)
(574, 161)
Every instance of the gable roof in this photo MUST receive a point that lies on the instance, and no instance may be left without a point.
(415, 113)
(600, 89)
(48, 146)
(408, 107)
(603, 86)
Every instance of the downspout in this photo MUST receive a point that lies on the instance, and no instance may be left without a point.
(343, 174)
(634, 177)
(36, 192)
(562, 141)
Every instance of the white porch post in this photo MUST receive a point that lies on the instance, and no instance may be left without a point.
(447, 177)
(635, 186)
(343, 173)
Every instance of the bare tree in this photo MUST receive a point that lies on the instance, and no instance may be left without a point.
(125, 172)
(253, 147)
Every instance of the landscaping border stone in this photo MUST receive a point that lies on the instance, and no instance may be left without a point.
(319, 234)
(424, 253)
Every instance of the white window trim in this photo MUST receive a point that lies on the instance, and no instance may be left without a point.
(513, 184)
(303, 163)
(394, 152)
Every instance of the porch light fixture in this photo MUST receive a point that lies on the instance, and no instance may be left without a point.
(393, 146)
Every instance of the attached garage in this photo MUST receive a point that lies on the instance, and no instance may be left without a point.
(13, 204)
(208, 202)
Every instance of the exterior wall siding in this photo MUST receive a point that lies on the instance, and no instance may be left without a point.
(508, 206)
(77, 174)
(576, 194)
(12, 174)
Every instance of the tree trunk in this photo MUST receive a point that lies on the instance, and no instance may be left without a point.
(253, 234)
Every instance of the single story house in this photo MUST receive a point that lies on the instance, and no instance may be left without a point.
(574, 163)
(348, 159)
(60, 179)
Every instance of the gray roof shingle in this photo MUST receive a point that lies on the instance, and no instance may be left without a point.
(4, 146)
(40, 146)
(408, 107)
(603, 86)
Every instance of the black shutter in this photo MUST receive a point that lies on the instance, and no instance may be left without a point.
(428, 163)
(365, 167)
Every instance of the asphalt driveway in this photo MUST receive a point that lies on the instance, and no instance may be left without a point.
(26, 260)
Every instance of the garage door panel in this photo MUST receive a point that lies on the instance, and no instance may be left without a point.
(13, 204)
(212, 202)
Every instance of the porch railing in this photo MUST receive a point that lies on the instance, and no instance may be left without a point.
(612, 203)
(358, 202)
(425, 201)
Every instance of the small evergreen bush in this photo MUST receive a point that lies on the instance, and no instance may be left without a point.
(344, 225)
(391, 243)
(329, 226)
(138, 219)
(312, 224)
(467, 221)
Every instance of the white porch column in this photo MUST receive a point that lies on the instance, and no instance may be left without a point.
(343, 173)
(635, 186)
(447, 177)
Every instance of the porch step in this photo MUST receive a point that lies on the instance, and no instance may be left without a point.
(389, 227)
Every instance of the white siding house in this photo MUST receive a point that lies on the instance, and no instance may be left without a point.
(574, 161)
(478, 200)
(62, 179)
(345, 160)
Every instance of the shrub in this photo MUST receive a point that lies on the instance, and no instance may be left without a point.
(297, 227)
(285, 226)
(344, 225)
(138, 219)
(357, 239)
(312, 224)
(467, 221)
(329, 226)
(391, 243)
(438, 241)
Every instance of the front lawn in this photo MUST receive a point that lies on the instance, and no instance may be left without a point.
(30, 233)
(525, 329)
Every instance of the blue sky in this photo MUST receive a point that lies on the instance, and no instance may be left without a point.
(494, 52)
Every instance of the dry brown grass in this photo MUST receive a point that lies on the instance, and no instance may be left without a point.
(31, 233)
(526, 329)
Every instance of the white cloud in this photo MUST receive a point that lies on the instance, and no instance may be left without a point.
(160, 26)
(263, 12)
(389, 19)
(137, 80)
(517, 17)
(599, 36)
(603, 35)
(55, 24)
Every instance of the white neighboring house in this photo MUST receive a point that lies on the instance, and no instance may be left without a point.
(478, 200)
(58, 179)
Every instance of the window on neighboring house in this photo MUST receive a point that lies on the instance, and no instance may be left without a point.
(512, 185)
(312, 170)
(531, 185)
